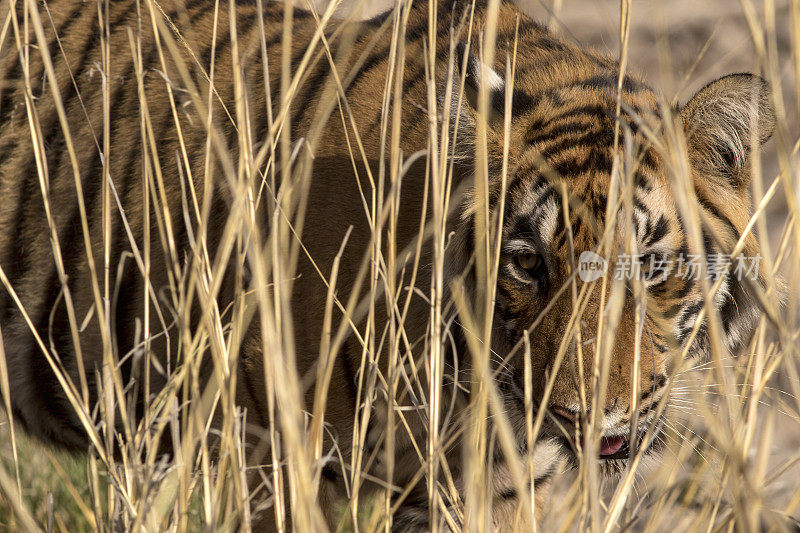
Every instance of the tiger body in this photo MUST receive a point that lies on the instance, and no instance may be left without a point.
(563, 102)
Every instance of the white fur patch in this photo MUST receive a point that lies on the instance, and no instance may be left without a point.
(546, 453)
(548, 221)
(494, 82)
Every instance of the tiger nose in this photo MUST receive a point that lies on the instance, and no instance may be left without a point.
(572, 414)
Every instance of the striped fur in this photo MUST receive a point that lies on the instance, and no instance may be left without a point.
(564, 114)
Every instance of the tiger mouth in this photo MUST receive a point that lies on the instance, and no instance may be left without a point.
(609, 448)
(563, 430)
(614, 448)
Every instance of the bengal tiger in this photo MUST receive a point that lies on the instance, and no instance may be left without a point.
(571, 114)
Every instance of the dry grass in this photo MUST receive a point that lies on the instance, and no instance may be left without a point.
(732, 462)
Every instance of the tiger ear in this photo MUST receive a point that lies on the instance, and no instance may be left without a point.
(723, 120)
(475, 73)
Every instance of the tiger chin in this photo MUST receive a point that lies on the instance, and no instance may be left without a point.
(566, 127)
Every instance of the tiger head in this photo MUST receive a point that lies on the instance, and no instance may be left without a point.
(604, 276)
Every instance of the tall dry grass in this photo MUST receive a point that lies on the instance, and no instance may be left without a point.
(731, 461)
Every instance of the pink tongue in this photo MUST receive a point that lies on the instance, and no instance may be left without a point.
(611, 445)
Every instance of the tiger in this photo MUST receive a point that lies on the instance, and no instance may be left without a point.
(558, 121)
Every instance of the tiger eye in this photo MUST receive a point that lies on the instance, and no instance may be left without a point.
(530, 262)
